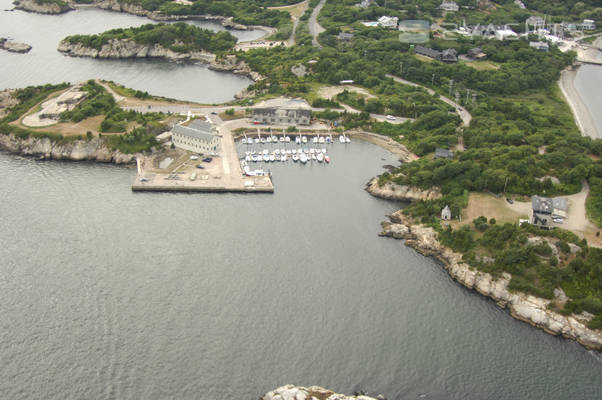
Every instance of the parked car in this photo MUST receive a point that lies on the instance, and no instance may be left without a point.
(390, 118)
(207, 159)
(213, 113)
(194, 157)
(199, 166)
(509, 200)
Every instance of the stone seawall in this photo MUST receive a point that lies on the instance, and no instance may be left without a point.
(77, 150)
(291, 392)
(524, 307)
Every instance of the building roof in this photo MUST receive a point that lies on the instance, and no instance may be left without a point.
(425, 51)
(542, 205)
(444, 153)
(196, 129)
(283, 112)
(345, 36)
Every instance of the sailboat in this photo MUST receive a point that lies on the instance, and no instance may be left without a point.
(303, 158)
(342, 139)
(304, 139)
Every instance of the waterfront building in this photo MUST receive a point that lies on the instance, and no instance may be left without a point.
(198, 136)
(282, 116)
(543, 46)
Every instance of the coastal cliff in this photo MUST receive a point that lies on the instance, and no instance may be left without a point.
(42, 7)
(135, 9)
(524, 307)
(393, 191)
(291, 392)
(128, 48)
(77, 150)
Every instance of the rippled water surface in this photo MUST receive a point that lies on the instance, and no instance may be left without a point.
(44, 64)
(105, 293)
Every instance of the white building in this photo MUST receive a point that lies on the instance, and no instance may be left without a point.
(199, 137)
(506, 33)
(588, 25)
(388, 22)
(543, 46)
(449, 5)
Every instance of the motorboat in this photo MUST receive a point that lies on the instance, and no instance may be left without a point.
(297, 140)
(294, 151)
(248, 158)
(272, 158)
(269, 139)
(328, 139)
(295, 158)
(327, 159)
(312, 151)
(320, 157)
(323, 151)
(282, 139)
(277, 152)
(347, 140)
(287, 139)
(256, 140)
(303, 158)
(315, 139)
(321, 139)
(266, 158)
(266, 152)
(304, 139)
(262, 140)
(313, 157)
(342, 139)
(244, 141)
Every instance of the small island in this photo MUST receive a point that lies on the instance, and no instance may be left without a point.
(14, 47)
(177, 41)
(43, 6)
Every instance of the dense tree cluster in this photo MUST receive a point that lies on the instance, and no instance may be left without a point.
(179, 37)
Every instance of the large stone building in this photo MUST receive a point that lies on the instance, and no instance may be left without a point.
(282, 116)
(198, 136)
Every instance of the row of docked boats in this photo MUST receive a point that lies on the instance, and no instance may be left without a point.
(302, 155)
(298, 139)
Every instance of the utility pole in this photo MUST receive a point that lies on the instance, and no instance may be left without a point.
(467, 94)
(400, 68)
(505, 183)
(433, 80)
(451, 85)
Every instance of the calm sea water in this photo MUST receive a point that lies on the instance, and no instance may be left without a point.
(588, 83)
(44, 64)
(109, 294)
(105, 293)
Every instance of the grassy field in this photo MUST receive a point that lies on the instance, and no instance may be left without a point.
(295, 10)
(482, 65)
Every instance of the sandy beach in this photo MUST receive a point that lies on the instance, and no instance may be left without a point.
(581, 112)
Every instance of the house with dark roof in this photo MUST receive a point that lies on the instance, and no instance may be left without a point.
(447, 55)
(344, 36)
(476, 54)
(547, 212)
(444, 153)
(198, 136)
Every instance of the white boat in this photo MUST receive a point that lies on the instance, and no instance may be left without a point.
(282, 139)
(320, 157)
(287, 139)
(312, 151)
(254, 158)
(342, 139)
(323, 151)
(248, 158)
(294, 151)
(295, 158)
(244, 141)
(277, 152)
(266, 152)
(304, 139)
(303, 158)
(282, 151)
(272, 158)
(315, 140)
(327, 159)
(313, 157)
(256, 140)
(269, 139)
(297, 140)
(321, 139)
(328, 139)
(288, 152)
(262, 140)
(347, 140)
(193, 176)
(283, 157)
(266, 158)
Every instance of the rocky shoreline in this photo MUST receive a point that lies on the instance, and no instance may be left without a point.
(393, 191)
(128, 48)
(77, 150)
(14, 47)
(42, 8)
(291, 392)
(524, 307)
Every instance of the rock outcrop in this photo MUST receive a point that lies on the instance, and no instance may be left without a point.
(291, 392)
(393, 191)
(77, 150)
(524, 307)
(7, 101)
(135, 9)
(42, 7)
(13, 46)
(128, 48)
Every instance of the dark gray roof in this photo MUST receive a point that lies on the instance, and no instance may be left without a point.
(425, 51)
(281, 112)
(542, 205)
(560, 203)
(197, 129)
(444, 153)
(345, 36)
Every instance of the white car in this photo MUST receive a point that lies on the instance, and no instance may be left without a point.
(194, 157)
(390, 118)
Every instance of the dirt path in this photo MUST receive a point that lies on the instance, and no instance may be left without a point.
(314, 27)
(461, 111)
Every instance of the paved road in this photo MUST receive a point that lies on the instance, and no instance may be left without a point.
(462, 112)
(314, 27)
